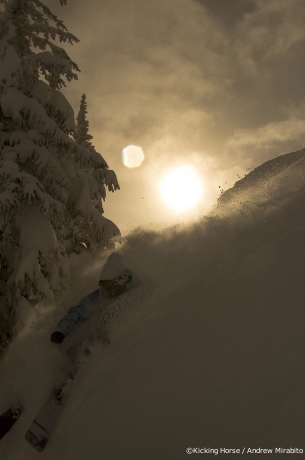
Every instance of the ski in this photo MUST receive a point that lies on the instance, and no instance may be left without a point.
(9, 418)
(40, 430)
(44, 423)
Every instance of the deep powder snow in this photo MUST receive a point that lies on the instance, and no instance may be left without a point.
(211, 356)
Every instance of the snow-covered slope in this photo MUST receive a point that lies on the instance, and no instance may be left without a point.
(266, 177)
(213, 357)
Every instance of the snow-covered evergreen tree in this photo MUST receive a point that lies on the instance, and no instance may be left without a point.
(82, 136)
(50, 186)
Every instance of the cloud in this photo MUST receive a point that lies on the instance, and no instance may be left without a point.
(228, 13)
(272, 30)
(170, 69)
(268, 138)
(149, 69)
(176, 78)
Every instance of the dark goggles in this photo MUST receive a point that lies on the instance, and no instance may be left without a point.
(115, 287)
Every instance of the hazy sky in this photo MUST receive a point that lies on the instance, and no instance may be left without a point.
(218, 84)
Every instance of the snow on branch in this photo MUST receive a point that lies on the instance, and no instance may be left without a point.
(45, 163)
(38, 244)
(41, 91)
(36, 137)
(14, 101)
(60, 52)
(25, 149)
(13, 137)
(26, 189)
(85, 157)
(53, 32)
(10, 70)
(52, 67)
(32, 188)
(8, 200)
(62, 110)
(110, 179)
(8, 168)
(56, 105)
(36, 15)
(107, 228)
(49, 14)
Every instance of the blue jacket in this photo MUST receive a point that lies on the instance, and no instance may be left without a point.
(91, 304)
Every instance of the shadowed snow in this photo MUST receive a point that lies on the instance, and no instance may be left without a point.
(212, 357)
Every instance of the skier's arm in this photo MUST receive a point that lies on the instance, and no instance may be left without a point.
(79, 313)
(88, 306)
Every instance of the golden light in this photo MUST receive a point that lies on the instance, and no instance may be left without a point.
(181, 189)
(132, 156)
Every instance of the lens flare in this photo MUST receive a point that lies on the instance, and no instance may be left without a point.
(132, 156)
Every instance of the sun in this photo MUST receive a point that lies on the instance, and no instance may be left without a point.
(181, 188)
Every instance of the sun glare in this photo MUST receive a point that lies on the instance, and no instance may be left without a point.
(181, 189)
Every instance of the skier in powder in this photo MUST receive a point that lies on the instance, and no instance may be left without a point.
(115, 280)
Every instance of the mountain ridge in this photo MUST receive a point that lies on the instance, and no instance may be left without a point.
(262, 174)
